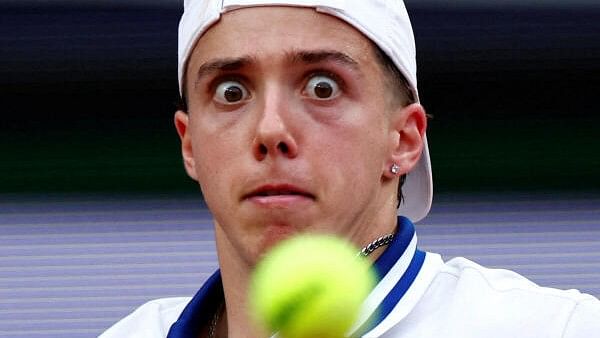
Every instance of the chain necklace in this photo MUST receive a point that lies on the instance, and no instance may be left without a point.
(212, 329)
(365, 251)
(376, 244)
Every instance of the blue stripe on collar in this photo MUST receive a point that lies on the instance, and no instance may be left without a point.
(405, 234)
(200, 309)
(384, 264)
(392, 299)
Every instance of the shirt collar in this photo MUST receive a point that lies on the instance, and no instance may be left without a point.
(200, 309)
(398, 248)
(396, 268)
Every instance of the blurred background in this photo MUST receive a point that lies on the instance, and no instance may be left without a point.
(97, 215)
(88, 91)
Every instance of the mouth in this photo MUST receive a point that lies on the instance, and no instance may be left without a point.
(278, 191)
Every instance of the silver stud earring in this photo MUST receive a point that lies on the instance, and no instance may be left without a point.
(395, 169)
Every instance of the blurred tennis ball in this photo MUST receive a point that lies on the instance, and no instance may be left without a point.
(310, 286)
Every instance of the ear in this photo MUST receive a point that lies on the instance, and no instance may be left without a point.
(408, 126)
(181, 124)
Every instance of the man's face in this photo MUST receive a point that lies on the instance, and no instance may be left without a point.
(288, 127)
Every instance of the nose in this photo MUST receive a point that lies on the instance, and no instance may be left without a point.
(274, 137)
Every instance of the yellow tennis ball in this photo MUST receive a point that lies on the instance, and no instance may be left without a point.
(310, 286)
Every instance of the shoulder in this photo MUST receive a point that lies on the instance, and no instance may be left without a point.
(584, 320)
(481, 300)
(153, 319)
(461, 270)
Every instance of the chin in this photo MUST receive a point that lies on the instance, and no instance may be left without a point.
(274, 234)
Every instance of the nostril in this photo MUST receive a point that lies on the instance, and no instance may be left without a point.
(283, 147)
(262, 149)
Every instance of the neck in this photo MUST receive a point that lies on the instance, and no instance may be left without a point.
(382, 222)
(236, 272)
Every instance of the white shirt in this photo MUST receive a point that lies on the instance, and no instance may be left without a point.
(418, 295)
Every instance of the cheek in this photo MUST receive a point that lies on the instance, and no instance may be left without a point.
(206, 167)
(207, 171)
(360, 138)
(211, 156)
(353, 155)
(214, 143)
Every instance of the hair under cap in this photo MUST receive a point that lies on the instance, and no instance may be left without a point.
(385, 22)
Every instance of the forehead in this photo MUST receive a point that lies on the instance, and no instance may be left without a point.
(269, 31)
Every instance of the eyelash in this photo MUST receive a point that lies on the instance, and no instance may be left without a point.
(214, 83)
(321, 72)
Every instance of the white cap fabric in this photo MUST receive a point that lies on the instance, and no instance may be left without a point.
(385, 22)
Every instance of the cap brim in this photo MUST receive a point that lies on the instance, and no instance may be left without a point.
(418, 188)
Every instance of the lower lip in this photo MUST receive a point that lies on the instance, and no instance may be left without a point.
(280, 201)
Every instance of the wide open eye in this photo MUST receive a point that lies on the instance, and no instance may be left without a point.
(322, 87)
(230, 92)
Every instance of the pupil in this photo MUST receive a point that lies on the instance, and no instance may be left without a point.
(233, 94)
(323, 90)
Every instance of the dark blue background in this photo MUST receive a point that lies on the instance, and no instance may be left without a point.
(88, 93)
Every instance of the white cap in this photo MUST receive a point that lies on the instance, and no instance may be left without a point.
(384, 22)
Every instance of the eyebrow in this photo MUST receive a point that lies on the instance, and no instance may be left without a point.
(301, 56)
(222, 65)
(318, 56)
